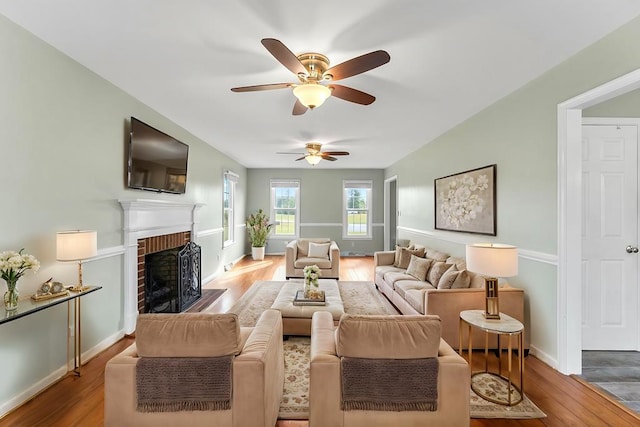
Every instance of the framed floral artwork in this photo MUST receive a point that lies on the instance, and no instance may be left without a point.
(466, 201)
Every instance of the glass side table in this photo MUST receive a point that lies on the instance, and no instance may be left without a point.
(503, 390)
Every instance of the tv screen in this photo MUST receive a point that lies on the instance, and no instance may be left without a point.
(157, 161)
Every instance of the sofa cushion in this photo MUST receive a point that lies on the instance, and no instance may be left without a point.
(454, 279)
(436, 271)
(405, 256)
(305, 261)
(188, 335)
(392, 277)
(381, 270)
(415, 298)
(436, 255)
(388, 337)
(402, 286)
(319, 250)
(418, 267)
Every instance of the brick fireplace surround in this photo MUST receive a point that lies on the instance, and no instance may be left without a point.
(149, 225)
(150, 245)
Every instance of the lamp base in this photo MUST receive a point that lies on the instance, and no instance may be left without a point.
(491, 316)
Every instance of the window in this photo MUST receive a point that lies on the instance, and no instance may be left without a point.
(228, 202)
(285, 209)
(356, 222)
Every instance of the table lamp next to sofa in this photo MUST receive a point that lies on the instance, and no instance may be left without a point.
(492, 260)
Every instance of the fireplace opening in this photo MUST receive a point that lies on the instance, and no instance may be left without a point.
(172, 281)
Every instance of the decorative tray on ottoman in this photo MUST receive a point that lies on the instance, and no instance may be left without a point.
(300, 299)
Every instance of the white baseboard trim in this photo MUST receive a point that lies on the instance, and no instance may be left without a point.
(56, 375)
(32, 391)
(102, 346)
(534, 351)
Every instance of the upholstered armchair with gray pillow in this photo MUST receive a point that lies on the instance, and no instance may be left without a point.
(197, 369)
(384, 371)
(322, 252)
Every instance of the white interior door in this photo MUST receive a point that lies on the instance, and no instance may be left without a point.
(610, 237)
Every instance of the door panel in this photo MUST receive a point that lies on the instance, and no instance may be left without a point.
(610, 224)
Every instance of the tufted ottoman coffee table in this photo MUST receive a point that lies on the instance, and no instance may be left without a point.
(296, 319)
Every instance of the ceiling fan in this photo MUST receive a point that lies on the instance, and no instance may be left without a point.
(314, 154)
(312, 69)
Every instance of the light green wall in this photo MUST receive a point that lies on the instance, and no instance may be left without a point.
(63, 135)
(321, 204)
(627, 105)
(519, 134)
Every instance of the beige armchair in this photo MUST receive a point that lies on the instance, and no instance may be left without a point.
(253, 374)
(319, 251)
(409, 343)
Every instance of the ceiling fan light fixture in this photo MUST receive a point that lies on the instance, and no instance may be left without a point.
(313, 159)
(311, 95)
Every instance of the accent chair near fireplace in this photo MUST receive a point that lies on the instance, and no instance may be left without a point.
(176, 344)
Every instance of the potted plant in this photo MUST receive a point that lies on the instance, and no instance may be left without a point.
(258, 227)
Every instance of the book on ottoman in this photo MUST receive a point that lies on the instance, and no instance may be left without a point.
(300, 299)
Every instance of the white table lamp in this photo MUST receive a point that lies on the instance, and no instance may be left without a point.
(492, 260)
(76, 246)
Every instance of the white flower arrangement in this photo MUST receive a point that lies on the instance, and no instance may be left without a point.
(14, 264)
(312, 274)
(461, 202)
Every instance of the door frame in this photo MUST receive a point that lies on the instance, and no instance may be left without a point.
(569, 189)
(388, 245)
(622, 121)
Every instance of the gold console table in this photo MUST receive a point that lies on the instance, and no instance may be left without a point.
(28, 306)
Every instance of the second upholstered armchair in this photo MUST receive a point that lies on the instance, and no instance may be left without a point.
(322, 252)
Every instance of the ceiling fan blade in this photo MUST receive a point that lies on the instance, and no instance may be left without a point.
(261, 87)
(299, 108)
(358, 65)
(284, 55)
(331, 159)
(336, 153)
(351, 95)
(302, 158)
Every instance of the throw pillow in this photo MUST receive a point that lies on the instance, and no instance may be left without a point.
(396, 260)
(418, 267)
(319, 250)
(405, 256)
(436, 271)
(454, 280)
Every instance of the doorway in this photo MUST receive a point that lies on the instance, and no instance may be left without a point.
(390, 212)
(610, 234)
(569, 274)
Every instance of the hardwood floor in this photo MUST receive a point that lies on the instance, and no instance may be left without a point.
(78, 401)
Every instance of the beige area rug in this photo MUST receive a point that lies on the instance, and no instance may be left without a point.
(358, 298)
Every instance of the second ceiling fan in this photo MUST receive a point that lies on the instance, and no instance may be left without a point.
(312, 69)
(314, 154)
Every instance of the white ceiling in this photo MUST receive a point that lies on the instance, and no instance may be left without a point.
(449, 60)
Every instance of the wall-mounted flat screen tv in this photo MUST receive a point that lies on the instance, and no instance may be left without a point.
(157, 161)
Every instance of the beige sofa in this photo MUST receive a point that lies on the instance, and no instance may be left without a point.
(257, 371)
(297, 257)
(385, 340)
(413, 296)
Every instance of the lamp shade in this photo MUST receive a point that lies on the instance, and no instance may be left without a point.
(311, 95)
(492, 259)
(76, 245)
(313, 159)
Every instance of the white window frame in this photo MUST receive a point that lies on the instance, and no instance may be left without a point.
(366, 185)
(286, 183)
(232, 179)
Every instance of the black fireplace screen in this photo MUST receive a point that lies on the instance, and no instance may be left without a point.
(172, 279)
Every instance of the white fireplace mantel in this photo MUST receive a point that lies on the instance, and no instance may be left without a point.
(147, 218)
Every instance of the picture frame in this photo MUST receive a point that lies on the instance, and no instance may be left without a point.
(466, 201)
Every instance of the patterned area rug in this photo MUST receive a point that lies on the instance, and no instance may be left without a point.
(358, 298)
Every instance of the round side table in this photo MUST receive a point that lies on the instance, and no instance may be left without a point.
(505, 326)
